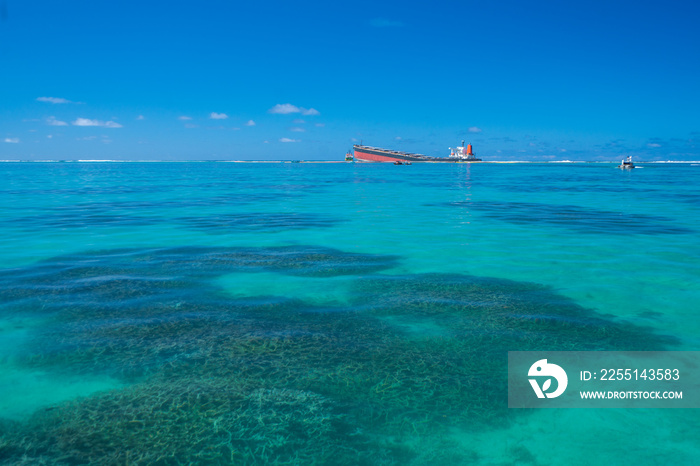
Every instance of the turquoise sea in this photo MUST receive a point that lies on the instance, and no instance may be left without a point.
(239, 313)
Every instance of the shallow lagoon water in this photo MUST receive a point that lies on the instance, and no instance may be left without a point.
(334, 313)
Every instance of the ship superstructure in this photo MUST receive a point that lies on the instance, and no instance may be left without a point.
(463, 153)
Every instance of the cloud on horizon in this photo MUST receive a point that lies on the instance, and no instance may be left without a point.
(289, 140)
(285, 109)
(218, 116)
(297, 130)
(184, 118)
(12, 140)
(56, 100)
(250, 123)
(474, 129)
(89, 122)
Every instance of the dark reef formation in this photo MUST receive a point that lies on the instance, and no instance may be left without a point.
(215, 379)
(579, 219)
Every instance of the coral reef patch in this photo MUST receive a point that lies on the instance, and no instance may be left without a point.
(580, 219)
(216, 379)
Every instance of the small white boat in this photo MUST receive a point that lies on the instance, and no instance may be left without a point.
(626, 164)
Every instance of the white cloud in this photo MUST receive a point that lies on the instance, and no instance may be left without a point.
(190, 126)
(184, 118)
(250, 123)
(52, 121)
(285, 109)
(298, 121)
(218, 116)
(297, 130)
(385, 23)
(288, 140)
(320, 125)
(56, 100)
(50, 136)
(653, 144)
(140, 117)
(12, 140)
(398, 138)
(88, 122)
(474, 129)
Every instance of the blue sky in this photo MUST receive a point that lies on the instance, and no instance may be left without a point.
(305, 80)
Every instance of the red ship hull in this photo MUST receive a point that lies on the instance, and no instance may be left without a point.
(364, 156)
(375, 154)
